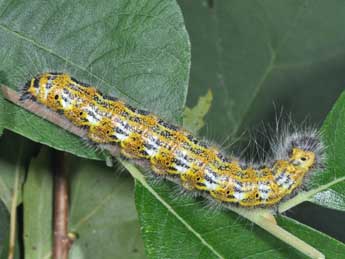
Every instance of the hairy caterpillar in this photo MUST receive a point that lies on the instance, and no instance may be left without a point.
(172, 152)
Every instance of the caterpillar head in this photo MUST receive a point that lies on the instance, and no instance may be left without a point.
(304, 149)
(46, 88)
(301, 159)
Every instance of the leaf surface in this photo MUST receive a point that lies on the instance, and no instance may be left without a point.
(74, 47)
(137, 50)
(259, 57)
(332, 198)
(102, 212)
(209, 233)
(38, 207)
(4, 229)
(237, 36)
(15, 153)
(325, 188)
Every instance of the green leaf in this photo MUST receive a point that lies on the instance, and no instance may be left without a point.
(192, 225)
(329, 246)
(96, 213)
(193, 118)
(137, 50)
(262, 54)
(15, 153)
(38, 210)
(102, 213)
(207, 233)
(2, 81)
(332, 198)
(333, 133)
(5, 234)
(142, 87)
(4, 230)
(258, 55)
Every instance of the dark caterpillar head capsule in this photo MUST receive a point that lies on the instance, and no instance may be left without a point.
(30, 89)
(35, 86)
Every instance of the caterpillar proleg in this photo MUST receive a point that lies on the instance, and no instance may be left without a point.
(172, 152)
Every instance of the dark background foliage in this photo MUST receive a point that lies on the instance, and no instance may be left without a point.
(261, 58)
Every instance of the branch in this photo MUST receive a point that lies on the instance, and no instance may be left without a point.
(61, 241)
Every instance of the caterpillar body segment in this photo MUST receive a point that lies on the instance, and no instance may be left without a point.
(171, 151)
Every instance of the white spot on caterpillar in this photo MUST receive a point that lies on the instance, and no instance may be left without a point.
(239, 195)
(263, 187)
(211, 186)
(121, 137)
(180, 169)
(264, 195)
(151, 152)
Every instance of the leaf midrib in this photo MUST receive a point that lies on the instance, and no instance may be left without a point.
(305, 196)
(140, 178)
(268, 70)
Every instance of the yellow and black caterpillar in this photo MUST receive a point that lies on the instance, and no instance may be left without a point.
(173, 152)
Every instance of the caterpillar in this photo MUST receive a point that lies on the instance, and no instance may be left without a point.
(174, 153)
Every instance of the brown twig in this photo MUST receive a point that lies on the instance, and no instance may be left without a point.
(61, 241)
(40, 110)
(48, 115)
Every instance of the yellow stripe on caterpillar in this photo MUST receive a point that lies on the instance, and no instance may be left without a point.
(172, 151)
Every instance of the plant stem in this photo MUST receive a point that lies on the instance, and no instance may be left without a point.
(305, 196)
(264, 221)
(61, 241)
(13, 221)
